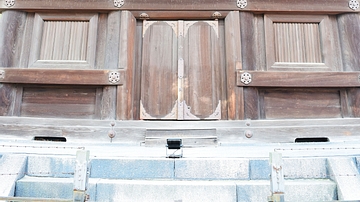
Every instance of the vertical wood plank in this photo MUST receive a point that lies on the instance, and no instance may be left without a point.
(15, 108)
(125, 98)
(249, 55)
(11, 32)
(349, 30)
(108, 106)
(102, 43)
(233, 63)
(137, 71)
(344, 104)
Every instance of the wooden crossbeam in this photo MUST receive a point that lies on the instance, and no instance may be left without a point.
(59, 76)
(300, 79)
(321, 6)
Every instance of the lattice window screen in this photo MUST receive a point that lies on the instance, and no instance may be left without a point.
(64, 40)
(297, 42)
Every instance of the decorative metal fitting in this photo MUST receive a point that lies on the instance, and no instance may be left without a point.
(114, 77)
(119, 3)
(216, 15)
(9, 3)
(144, 16)
(241, 3)
(2, 74)
(245, 78)
(248, 133)
(353, 4)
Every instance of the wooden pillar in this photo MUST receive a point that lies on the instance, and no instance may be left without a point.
(125, 94)
(349, 31)
(11, 34)
(108, 110)
(233, 63)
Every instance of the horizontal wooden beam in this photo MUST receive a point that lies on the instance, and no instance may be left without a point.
(322, 6)
(60, 76)
(300, 79)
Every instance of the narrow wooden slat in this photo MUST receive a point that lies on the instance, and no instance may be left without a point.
(124, 101)
(235, 99)
(334, 6)
(301, 79)
(59, 76)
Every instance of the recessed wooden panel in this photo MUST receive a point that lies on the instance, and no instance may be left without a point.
(204, 72)
(64, 40)
(300, 103)
(301, 43)
(297, 42)
(73, 43)
(159, 69)
(60, 102)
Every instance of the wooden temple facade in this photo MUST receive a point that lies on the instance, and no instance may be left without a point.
(180, 60)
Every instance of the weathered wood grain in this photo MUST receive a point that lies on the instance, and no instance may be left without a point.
(319, 50)
(11, 31)
(26, 43)
(59, 76)
(321, 6)
(101, 42)
(78, 34)
(301, 79)
(59, 101)
(112, 40)
(159, 70)
(354, 101)
(137, 71)
(250, 51)
(235, 101)
(125, 94)
(349, 29)
(202, 66)
(301, 103)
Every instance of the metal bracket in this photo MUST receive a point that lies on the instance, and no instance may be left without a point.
(114, 77)
(144, 16)
(245, 78)
(9, 3)
(119, 3)
(241, 3)
(2, 74)
(216, 15)
(353, 4)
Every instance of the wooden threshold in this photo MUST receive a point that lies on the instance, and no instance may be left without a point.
(308, 6)
(60, 76)
(300, 79)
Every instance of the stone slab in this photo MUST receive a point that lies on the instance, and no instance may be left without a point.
(51, 166)
(305, 168)
(132, 168)
(12, 168)
(295, 190)
(46, 187)
(142, 190)
(212, 168)
(344, 172)
(259, 169)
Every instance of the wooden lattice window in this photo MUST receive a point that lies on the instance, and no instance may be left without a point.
(295, 42)
(64, 41)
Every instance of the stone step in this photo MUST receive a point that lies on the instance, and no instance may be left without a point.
(176, 190)
(180, 169)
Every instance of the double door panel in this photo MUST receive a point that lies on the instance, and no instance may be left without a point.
(182, 72)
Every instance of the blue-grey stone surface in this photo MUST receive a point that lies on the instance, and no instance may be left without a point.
(128, 168)
(212, 168)
(259, 169)
(51, 166)
(305, 168)
(48, 187)
(344, 172)
(295, 190)
(12, 168)
(142, 190)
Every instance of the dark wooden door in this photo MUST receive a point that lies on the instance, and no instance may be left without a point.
(182, 72)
